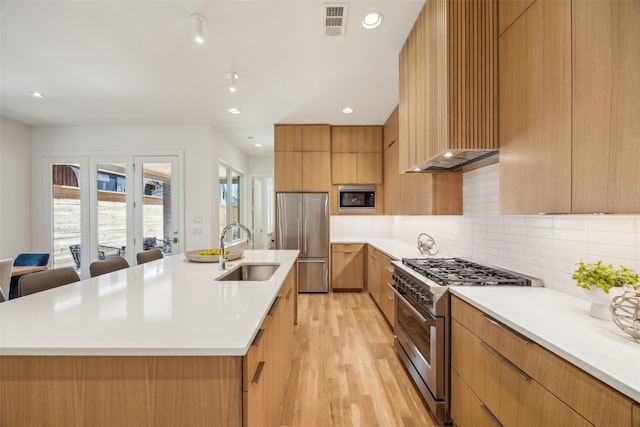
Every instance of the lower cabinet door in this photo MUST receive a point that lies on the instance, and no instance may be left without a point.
(466, 409)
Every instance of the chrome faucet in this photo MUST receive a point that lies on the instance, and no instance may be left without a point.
(223, 256)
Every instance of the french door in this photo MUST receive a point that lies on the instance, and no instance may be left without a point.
(105, 206)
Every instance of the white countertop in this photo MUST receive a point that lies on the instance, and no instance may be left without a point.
(561, 323)
(165, 307)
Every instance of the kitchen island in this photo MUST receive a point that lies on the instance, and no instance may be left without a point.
(161, 343)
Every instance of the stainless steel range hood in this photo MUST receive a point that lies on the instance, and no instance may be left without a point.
(457, 160)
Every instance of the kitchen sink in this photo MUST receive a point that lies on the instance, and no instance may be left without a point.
(249, 272)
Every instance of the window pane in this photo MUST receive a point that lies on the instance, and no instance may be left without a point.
(222, 186)
(66, 215)
(156, 217)
(235, 202)
(112, 210)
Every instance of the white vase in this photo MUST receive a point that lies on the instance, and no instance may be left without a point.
(600, 301)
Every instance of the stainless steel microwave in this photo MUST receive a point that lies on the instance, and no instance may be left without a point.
(356, 198)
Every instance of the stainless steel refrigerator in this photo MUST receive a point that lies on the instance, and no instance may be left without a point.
(302, 222)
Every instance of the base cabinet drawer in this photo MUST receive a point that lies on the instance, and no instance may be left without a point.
(469, 410)
(522, 383)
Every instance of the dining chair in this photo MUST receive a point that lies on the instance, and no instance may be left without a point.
(5, 277)
(98, 268)
(150, 255)
(47, 279)
(31, 259)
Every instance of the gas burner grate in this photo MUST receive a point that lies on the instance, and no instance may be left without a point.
(460, 272)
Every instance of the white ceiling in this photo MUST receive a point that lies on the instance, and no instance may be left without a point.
(135, 63)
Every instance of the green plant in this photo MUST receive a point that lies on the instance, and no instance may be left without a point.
(605, 277)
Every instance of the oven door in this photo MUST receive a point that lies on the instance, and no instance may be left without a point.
(422, 336)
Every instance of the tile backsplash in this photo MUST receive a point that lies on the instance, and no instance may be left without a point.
(545, 246)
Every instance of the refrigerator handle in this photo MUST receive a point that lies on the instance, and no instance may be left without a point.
(299, 242)
(305, 236)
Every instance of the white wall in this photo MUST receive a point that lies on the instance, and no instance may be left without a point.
(545, 246)
(15, 188)
(202, 147)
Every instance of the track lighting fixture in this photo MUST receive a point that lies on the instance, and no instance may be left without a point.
(232, 81)
(199, 22)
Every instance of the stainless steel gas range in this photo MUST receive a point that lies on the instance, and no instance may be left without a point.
(422, 321)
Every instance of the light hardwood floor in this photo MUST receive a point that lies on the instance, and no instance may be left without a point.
(345, 371)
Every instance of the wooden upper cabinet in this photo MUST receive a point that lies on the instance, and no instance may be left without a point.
(448, 81)
(302, 137)
(606, 106)
(344, 139)
(570, 108)
(535, 111)
(419, 193)
(509, 11)
(302, 160)
(356, 154)
(390, 130)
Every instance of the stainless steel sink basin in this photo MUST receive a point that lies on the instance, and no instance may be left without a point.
(250, 272)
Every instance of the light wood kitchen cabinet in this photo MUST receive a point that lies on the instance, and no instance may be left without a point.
(419, 193)
(569, 108)
(266, 365)
(448, 81)
(302, 159)
(379, 272)
(509, 11)
(356, 154)
(535, 111)
(347, 266)
(520, 383)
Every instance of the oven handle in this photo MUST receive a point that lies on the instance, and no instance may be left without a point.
(429, 321)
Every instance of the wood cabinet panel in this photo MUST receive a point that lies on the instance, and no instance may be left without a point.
(635, 415)
(390, 131)
(535, 111)
(147, 391)
(509, 11)
(356, 155)
(593, 400)
(287, 138)
(344, 168)
(288, 171)
(419, 193)
(369, 139)
(316, 137)
(606, 106)
(466, 408)
(386, 300)
(373, 275)
(344, 139)
(369, 168)
(347, 266)
(316, 171)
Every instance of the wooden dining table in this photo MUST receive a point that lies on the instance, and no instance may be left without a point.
(20, 270)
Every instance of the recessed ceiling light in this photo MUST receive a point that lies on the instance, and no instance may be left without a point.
(36, 94)
(347, 110)
(372, 20)
(234, 110)
(448, 154)
(257, 145)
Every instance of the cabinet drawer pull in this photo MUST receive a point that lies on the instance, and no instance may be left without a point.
(258, 374)
(491, 416)
(506, 329)
(389, 269)
(389, 288)
(288, 294)
(522, 374)
(274, 306)
(258, 338)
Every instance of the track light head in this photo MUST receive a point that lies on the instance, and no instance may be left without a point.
(199, 22)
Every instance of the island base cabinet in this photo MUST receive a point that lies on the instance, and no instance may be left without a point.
(136, 391)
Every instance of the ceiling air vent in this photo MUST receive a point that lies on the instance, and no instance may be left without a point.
(334, 19)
